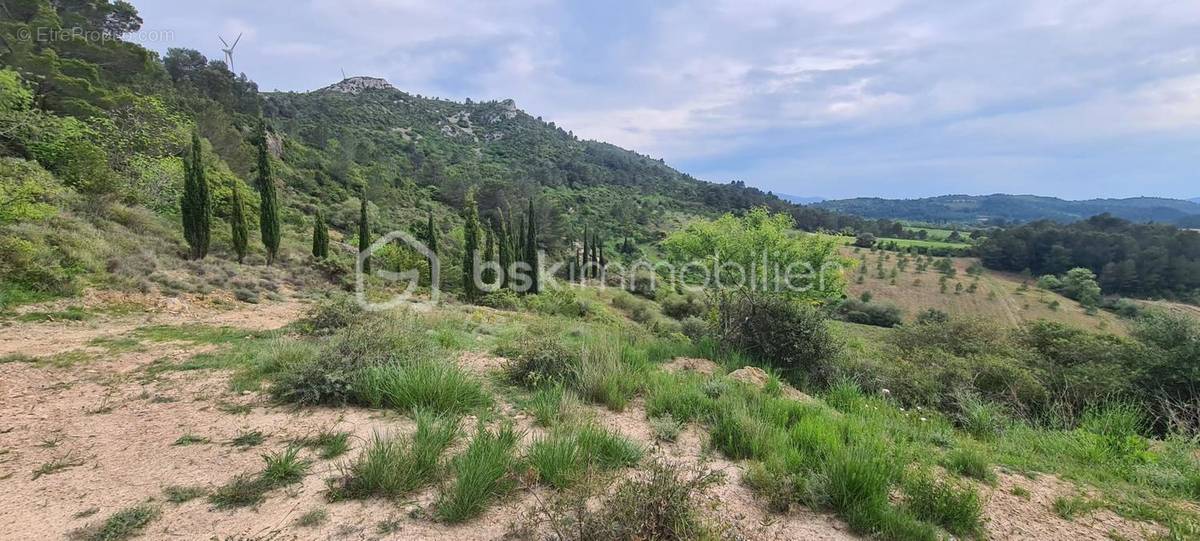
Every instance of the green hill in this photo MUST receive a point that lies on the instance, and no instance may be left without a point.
(1013, 208)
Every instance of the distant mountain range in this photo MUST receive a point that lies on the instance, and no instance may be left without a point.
(799, 200)
(1016, 208)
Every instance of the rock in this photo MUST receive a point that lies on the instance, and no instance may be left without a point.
(755, 376)
(354, 85)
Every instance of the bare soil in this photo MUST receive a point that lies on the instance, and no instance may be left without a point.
(114, 431)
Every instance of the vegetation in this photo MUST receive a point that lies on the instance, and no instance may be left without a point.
(1146, 260)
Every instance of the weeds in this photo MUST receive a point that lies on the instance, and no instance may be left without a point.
(181, 494)
(665, 428)
(1070, 507)
(281, 468)
(316, 517)
(429, 385)
(327, 443)
(123, 524)
(190, 439)
(57, 465)
(246, 440)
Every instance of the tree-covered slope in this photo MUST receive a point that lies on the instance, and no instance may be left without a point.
(1013, 208)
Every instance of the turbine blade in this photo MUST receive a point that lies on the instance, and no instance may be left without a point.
(222, 40)
(235, 42)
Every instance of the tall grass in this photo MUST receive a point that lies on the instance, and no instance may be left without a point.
(562, 458)
(429, 385)
(481, 473)
(394, 466)
(604, 375)
(956, 508)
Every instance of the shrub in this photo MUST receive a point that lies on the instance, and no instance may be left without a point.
(694, 328)
(661, 505)
(331, 314)
(784, 333)
(681, 306)
(557, 302)
(866, 313)
(482, 473)
(502, 299)
(537, 359)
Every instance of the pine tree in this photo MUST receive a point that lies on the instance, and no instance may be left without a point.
(196, 205)
(320, 247)
(531, 255)
(237, 222)
(364, 230)
(268, 221)
(470, 246)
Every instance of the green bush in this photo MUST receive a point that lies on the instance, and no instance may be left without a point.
(955, 507)
(866, 313)
(783, 333)
(689, 304)
(538, 358)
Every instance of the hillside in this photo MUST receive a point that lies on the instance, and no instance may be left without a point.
(1003, 299)
(970, 209)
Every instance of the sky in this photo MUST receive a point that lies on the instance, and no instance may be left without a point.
(827, 98)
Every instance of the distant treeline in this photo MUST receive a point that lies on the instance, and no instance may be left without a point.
(1129, 259)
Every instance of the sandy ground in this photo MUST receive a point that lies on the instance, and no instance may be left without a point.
(115, 430)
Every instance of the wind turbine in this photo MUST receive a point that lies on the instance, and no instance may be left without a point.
(229, 50)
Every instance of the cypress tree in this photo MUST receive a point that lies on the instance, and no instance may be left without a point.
(531, 255)
(600, 254)
(583, 259)
(320, 247)
(237, 222)
(470, 246)
(268, 221)
(505, 249)
(364, 229)
(594, 259)
(431, 235)
(489, 255)
(196, 205)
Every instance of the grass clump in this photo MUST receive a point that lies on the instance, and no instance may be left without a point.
(280, 469)
(970, 462)
(190, 439)
(123, 524)
(327, 443)
(953, 507)
(603, 376)
(429, 385)
(550, 404)
(536, 359)
(57, 465)
(563, 458)
(393, 466)
(481, 473)
(1069, 507)
(246, 440)
(181, 494)
(316, 517)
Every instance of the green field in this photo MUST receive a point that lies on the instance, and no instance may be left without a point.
(935, 233)
(847, 240)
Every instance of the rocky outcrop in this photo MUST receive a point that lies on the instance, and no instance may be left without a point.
(354, 85)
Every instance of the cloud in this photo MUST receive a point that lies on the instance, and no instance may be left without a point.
(742, 88)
